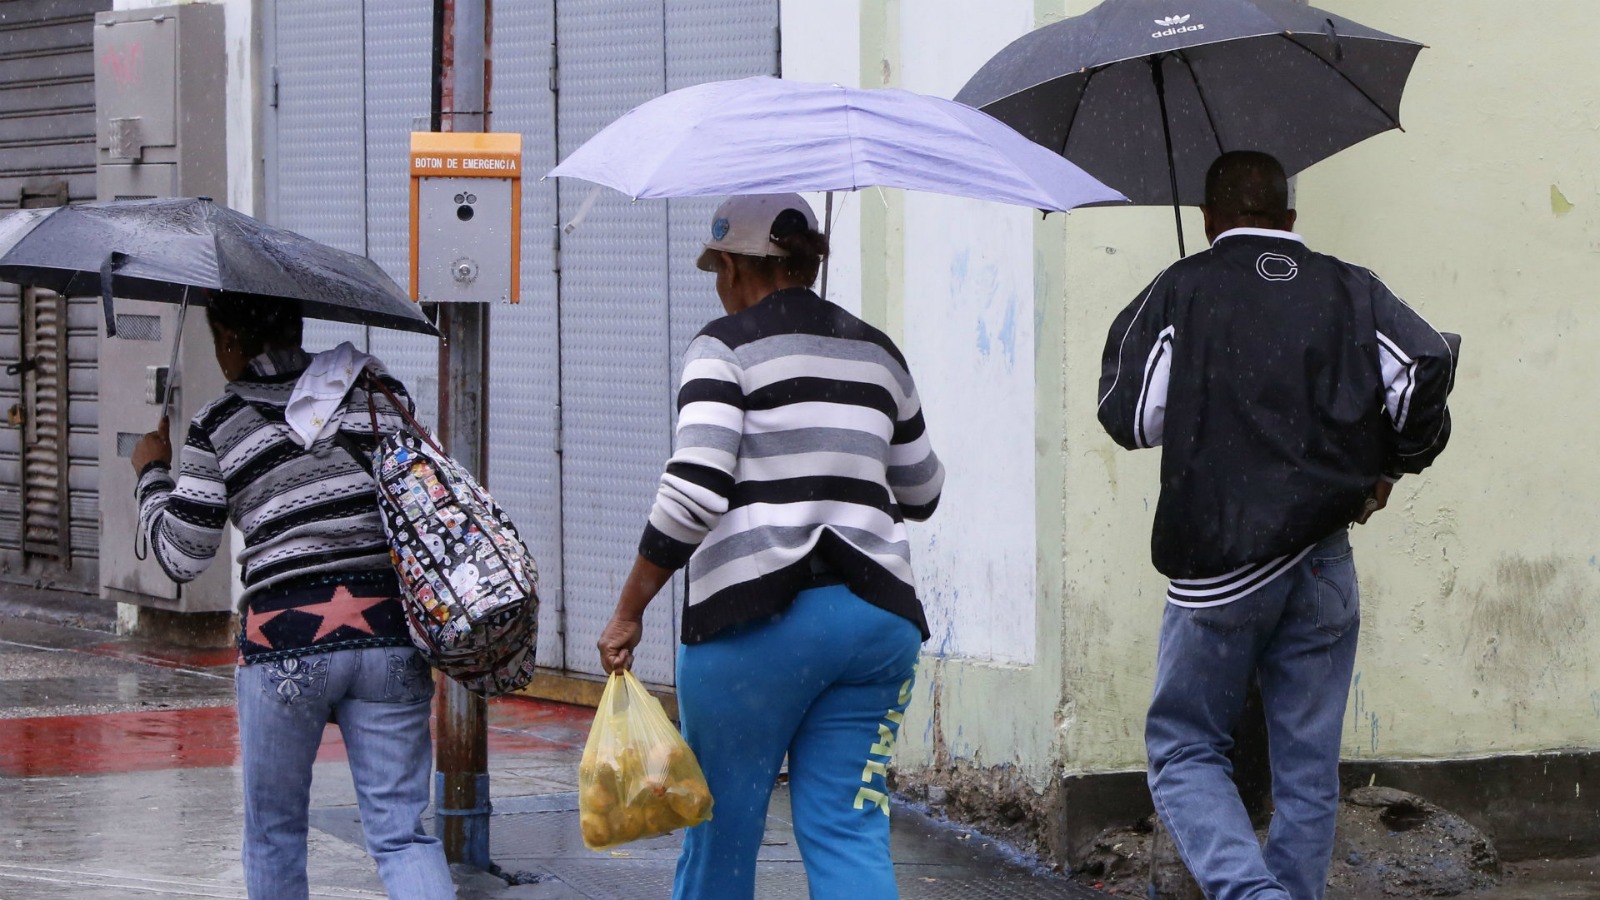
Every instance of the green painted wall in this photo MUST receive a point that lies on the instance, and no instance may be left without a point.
(1480, 583)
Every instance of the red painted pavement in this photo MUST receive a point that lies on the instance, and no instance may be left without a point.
(209, 737)
(166, 657)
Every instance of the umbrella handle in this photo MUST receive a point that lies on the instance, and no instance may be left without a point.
(827, 231)
(113, 261)
(172, 366)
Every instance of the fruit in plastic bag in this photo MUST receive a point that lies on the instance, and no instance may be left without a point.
(638, 778)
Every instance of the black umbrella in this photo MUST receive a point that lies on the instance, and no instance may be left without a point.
(164, 249)
(1145, 94)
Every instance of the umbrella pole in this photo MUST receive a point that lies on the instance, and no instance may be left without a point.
(827, 231)
(1160, 79)
(172, 367)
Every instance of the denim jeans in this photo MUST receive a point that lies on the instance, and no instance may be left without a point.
(1297, 634)
(826, 682)
(380, 697)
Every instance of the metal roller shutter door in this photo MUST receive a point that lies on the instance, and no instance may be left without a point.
(398, 56)
(316, 175)
(49, 463)
(615, 352)
(524, 355)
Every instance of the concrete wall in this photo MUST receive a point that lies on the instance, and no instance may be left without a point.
(953, 282)
(1482, 633)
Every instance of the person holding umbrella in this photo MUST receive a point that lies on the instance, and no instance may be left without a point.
(322, 630)
(1288, 391)
(801, 451)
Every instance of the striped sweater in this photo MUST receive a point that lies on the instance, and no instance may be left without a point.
(800, 439)
(309, 517)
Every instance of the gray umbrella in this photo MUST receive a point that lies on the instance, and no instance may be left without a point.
(1145, 94)
(164, 249)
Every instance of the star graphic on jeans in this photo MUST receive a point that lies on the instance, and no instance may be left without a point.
(340, 610)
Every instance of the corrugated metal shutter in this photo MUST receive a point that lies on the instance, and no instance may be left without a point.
(316, 174)
(707, 40)
(605, 346)
(49, 509)
(524, 354)
(615, 399)
(631, 298)
(351, 83)
(398, 60)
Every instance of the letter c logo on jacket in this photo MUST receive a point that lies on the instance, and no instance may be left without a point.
(1277, 267)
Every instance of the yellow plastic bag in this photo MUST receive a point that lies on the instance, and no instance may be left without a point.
(638, 778)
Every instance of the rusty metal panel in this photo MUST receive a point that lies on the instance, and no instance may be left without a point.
(46, 516)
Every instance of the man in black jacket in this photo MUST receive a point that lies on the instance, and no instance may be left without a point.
(1288, 391)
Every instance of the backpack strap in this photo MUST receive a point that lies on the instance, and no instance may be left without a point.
(402, 410)
(354, 449)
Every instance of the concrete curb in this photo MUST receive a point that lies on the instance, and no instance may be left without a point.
(67, 608)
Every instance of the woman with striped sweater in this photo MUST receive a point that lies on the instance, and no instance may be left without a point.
(322, 631)
(800, 453)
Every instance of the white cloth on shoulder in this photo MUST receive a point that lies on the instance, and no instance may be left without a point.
(313, 410)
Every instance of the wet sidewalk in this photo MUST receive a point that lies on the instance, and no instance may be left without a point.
(119, 778)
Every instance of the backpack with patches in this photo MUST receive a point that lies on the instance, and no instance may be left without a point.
(467, 579)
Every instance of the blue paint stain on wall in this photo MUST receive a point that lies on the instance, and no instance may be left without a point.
(1008, 332)
(983, 338)
(958, 266)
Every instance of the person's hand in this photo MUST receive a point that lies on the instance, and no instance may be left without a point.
(617, 641)
(1378, 500)
(154, 447)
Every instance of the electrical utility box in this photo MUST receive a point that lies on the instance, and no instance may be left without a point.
(466, 217)
(160, 104)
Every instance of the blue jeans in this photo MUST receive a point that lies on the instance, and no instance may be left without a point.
(381, 698)
(827, 682)
(1297, 635)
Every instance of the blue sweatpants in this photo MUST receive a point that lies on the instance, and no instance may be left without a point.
(825, 682)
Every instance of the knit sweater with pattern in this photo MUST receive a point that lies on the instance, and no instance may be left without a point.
(800, 438)
(308, 516)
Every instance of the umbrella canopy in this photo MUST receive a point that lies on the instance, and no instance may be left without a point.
(1112, 88)
(161, 249)
(767, 136)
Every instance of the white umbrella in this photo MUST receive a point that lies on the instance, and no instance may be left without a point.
(766, 136)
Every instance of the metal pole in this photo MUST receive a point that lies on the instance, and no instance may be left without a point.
(461, 796)
(1166, 131)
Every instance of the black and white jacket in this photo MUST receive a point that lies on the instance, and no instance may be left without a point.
(303, 513)
(1281, 384)
(799, 434)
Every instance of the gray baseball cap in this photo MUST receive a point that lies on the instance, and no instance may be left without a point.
(742, 224)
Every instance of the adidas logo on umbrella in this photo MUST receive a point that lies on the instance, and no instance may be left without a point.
(1175, 25)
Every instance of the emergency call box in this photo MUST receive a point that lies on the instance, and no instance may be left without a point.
(466, 217)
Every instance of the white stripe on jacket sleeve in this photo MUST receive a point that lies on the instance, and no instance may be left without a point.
(1150, 416)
